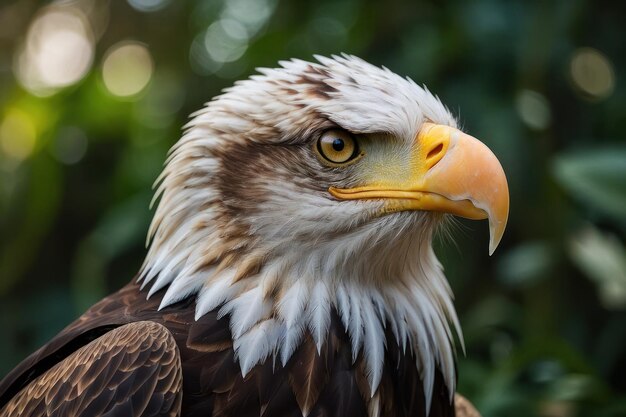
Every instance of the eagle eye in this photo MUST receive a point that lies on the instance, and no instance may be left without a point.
(337, 146)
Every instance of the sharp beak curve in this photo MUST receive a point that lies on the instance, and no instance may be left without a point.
(450, 172)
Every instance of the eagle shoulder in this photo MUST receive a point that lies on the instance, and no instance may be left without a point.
(132, 370)
(327, 381)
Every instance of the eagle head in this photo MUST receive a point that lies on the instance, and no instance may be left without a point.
(315, 189)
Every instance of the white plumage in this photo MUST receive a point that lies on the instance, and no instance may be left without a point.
(318, 254)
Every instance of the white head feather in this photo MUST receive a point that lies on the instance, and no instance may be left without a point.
(248, 241)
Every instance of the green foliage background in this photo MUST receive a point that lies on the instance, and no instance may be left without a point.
(544, 318)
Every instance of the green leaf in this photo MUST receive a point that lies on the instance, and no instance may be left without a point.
(602, 257)
(595, 178)
(526, 264)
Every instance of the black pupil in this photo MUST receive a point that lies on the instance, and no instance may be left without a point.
(338, 144)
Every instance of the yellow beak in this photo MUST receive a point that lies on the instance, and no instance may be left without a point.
(449, 171)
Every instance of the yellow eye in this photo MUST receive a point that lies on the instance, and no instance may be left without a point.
(337, 146)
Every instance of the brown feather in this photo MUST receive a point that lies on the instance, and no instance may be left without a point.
(324, 384)
(132, 370)
(308, 375)
(464, 408)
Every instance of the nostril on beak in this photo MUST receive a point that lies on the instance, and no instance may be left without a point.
(434, 155)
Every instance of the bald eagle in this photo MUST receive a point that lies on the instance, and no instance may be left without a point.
(290, 269)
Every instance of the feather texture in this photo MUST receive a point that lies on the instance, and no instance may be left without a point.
(252, 230)
(133, 370)
(255, 346)
(312, 383)
(318, 313)
(374, 346)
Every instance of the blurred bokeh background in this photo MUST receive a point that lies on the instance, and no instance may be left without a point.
(94, 92)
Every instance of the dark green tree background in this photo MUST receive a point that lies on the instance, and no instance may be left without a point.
(94, 92)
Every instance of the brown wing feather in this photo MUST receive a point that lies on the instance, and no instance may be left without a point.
(276, 395)
(464, 408)
(132, 370)
(308, 374)
(325, 384)
(342, 396)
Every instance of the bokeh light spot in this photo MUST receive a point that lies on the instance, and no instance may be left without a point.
(226, 40)
(18, 135)
(534, 109)
(57, 53)
(592, 73)
(218, 49)
(127, 69)
(148, 5)
(252, 14)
